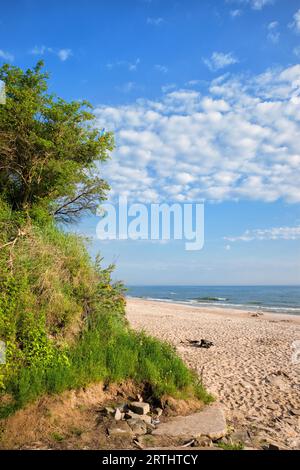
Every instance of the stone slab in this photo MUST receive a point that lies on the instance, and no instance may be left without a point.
(140, 407)
(209, 422)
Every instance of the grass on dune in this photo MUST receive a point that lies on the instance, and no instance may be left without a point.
(63, 322)
(111, 353)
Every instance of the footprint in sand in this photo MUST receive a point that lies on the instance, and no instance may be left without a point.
(278, 380)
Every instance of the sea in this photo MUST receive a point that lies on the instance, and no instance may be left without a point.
(276, 299)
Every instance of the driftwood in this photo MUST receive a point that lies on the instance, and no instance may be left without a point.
(203, 343)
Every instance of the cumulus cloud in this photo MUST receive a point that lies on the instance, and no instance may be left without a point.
(238, 140)
(274, 233)
(168, 87)
(273, 33)
(127, 87)
(220, 60)
(259, 4)
(155, 21)
(62, 54)
(6, 56)
(41, 50)
(254, 4)
(161, 68)
(295, 24)
(235, 13)
(296, 51)
(132, 66)
(193, 83)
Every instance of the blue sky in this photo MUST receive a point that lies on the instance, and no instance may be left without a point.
(204, 99)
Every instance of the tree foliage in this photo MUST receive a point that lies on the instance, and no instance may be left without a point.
(50, 149)
(61, 316)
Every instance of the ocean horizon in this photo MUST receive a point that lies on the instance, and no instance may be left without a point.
(272, 298)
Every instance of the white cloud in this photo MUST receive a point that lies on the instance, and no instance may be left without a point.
(239, 140)
(273, 233)
(296, 51)
(184, 178)
(193, 83)
(259, 4)
(155, 21)
(167, 87)
(41, 50)
(220, 60)
(273, 25)
(6, 56)
(161, 68)
(235, 13)
(62, 54)
(254, 4)
(273, 33)
(127, 87)
(132, 66)
(295, 25)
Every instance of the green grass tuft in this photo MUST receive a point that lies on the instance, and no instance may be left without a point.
(227, 446)
(57, 437)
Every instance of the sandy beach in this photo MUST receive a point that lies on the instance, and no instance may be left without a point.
(249, 369)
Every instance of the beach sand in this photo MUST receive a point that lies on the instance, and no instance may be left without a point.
(249, 369)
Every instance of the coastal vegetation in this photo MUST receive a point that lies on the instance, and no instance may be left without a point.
(62, 317)
(226, 446)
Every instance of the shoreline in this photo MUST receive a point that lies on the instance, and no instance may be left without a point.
(224, 309)
(249, 368)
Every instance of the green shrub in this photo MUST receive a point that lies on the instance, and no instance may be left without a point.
(63, 321)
